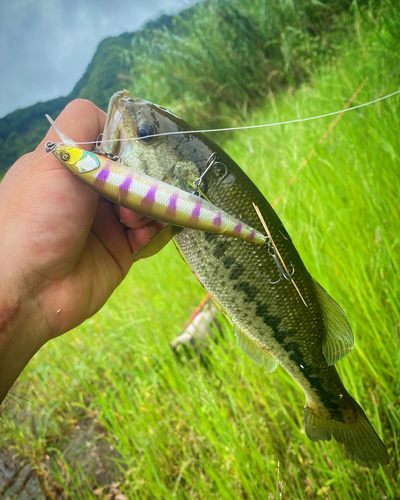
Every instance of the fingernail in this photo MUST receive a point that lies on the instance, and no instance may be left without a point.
(139, 216)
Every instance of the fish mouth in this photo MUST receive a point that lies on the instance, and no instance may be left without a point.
(113, 129)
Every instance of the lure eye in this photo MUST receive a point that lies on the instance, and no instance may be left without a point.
(144, 129)
(65, 156)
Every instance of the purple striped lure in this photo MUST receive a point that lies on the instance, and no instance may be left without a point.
(146, 195)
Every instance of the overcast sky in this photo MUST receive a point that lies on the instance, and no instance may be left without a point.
(45, 45)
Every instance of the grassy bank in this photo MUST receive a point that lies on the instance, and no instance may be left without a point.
(220, 63)
(109, 402)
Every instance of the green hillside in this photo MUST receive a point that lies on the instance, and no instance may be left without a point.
(21, 130)
(108, 411)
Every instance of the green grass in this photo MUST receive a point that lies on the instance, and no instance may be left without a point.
(222, 60)
(222, 427)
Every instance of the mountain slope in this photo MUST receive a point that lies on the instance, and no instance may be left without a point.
(21, 130)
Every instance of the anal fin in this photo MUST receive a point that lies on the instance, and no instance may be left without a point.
(255, 351)
(338, 338)
(157, 243)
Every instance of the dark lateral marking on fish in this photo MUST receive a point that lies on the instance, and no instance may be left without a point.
(220, 249)
(228, 261)
(247, 289)
(270, 320)
(236, 272)
(317, 383)
(210, 237)
(310, 373)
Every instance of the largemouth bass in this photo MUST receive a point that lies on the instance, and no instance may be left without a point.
(282, 317)
(151, 197)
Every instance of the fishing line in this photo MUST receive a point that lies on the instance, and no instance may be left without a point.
(297, 120)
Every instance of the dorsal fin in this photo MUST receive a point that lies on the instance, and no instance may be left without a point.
(255, 351)
(338, 338)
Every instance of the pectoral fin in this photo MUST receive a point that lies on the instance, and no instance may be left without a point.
(256, 352)
(338, 338)
(157, 243)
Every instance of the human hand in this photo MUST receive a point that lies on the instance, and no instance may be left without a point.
(64, 249)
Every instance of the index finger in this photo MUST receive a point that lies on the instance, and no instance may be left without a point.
(81, 120)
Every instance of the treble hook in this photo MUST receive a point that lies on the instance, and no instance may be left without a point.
(283, 273)
(211, 162)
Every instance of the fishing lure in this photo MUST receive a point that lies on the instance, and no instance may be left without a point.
(149, 196)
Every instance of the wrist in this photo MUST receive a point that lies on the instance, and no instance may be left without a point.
(23, 331)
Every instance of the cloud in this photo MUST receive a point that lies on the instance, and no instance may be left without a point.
(46, 45)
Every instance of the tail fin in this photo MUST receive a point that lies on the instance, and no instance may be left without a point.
(360, 440)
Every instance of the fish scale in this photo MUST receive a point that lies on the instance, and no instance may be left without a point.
(270, 311)
(273, 315)
(293, 322)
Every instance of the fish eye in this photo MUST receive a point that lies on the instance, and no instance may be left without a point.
(65, 156)
(144, 129)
